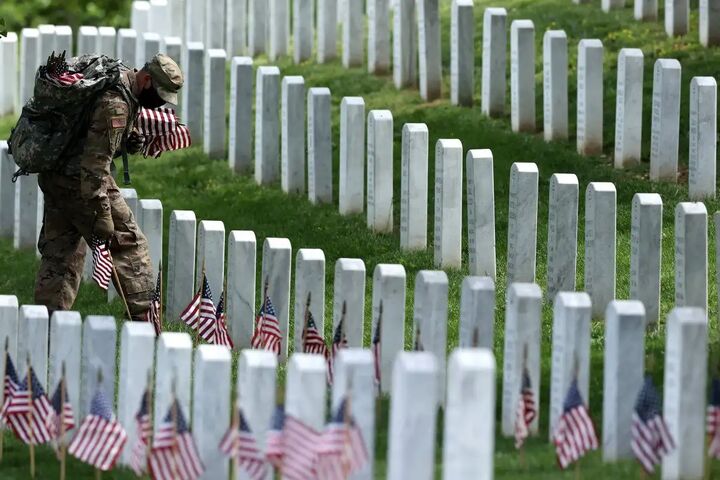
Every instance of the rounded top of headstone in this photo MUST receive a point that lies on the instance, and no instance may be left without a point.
(633, 308)
(150, 204)
(138, 329)
(176, 340)
(216, 53)
(355, 356)
(277, 243)
(141, 5)
(172, 41)
(380, 115)
(10, 37)
(310, 254)
(478, 283)
(353, 101)
(319, 92)
(648, 199)
(259, 358)
(182, 215)
(527, 290)
(211, 225)
(243, 236)
(31, 32)
(389, 270)
(8, 301)
(89, 29)
(100, 322)
(107, 31)
(306, 362)
(449, 143)
(522, 24)
(127, 32)
(572, 300)
(703, 81)
(151, 36)
(432, 276)
(630, 52)
(213, 353)
(688, 315)
(480, 154)
(46, 29)
(350, 264)
(33, 311)
(668, 63)
(564, 178)
(64, 317)
(195, 46)
(415, 128)
(559, 34)
(601, 187)
(691, 208)
(268, 70)
(524, 167)
(495, 11)
(417, 362)
(242, 61)
(472, 359)
(591, 43)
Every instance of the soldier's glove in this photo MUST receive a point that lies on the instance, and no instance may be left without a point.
(135, 142)
(103, 228)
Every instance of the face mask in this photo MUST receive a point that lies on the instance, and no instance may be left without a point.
(149, 98)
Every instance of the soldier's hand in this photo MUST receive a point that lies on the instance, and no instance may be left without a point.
(135, 142)
(103, 228)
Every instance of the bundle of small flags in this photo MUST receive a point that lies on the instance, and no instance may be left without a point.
(651, 438)
(174, 454)
(162, 130)
(100, 439)
(574, 433)
(201, 315)
(28, 411)
(239, 444)
(267, 335)
(143, 432)
(11, 383)
(526, 411)
(102, 263)
(341, 451)
(713, 419)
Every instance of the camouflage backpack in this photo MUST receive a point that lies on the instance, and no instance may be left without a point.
(54, 121)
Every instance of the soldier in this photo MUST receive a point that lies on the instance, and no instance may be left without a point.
(83, 200)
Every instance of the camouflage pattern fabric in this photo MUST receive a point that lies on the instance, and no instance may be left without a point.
(72, 200)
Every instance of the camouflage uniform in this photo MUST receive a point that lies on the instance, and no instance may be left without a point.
(72, 200)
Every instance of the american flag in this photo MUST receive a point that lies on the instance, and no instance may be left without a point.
(239, 444)
(31, 418)
(267, 333)
(526, 411)
(299, 456)
(162, 130)
(574, 434)
(102, 263)
(191, 314)
(274, 438)
(143, 430)
(313, 341)
(153, 315)
(206, 314)
(11, 384)
(651, 438)
(713, 419)
(339, 342)
(64, 418)
(100, 439)
(341, 450)
(376, 349)
(174, 454)
(222, 336)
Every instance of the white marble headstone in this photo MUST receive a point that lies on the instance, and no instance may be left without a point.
(99, 340)
(462, 53)
(241, 95)
(665, 132)
(319, 138)
(240, 295)
(292, 151)
(214, 130)
(309, 280)
(477, 313)
(380, 171)
(414, 187)
(691, 255)
(192, 93)
(628, 108)
(303, 16)
(702, 158)
(276, 259)
(430, 64)
(590, 97)
(352, 155)
(349, 288)
(522, 76)
(378, 36)
(562, 234)
(448, 203)
(481, 212)
(522, 223)
(555, 85)
(32, 341)
(267, 124)
(646, 252)
(494, 61)
(405, 44)
(174, 360)
(388, 289)
(600, 244)
(8, 332)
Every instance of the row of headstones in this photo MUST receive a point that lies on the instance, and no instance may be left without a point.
(21, 217)
(417, 383)
(201, 380)
(677, 16)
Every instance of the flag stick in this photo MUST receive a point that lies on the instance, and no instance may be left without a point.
(120, 291)
(577, 470)
(160, 307)
(2, 431)
(523, 462)
(306, 320)
(61, 439)
(148, 399)
(30, 419)
(98, 473)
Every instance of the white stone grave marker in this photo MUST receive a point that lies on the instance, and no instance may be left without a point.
(352, 155)
(590, 97)
(181, 262)
(600, 244)
(665, 133)
(309, 280)
(214, 122)
(211, 256)
(481, 212)
(494, 61)
(380, 171)
(405, 44)
(628, 108)
(99, 338)
(703, 138)
(430, 66)
(276, 260)
(241, 96)
(477, 313)
(448, 203)
(691, 255)
(555, 85)
(388, 290)
(174, 360)
(414, 187)
(522, 223)
(462, 53)
(319, 139)
(349, 290)
(292, 171)
(240, 295)
(522, 76)
(646, 252)
(267, 125)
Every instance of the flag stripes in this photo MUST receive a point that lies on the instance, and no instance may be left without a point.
(102, 263)
(163, 131)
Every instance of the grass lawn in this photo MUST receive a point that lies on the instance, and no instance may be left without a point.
(188, 180)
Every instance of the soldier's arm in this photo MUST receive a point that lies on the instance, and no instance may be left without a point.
(107, 125)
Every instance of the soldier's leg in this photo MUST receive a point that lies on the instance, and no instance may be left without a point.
(61, 266)
(131, 256)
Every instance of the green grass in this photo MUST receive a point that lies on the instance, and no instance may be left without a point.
(188, 180)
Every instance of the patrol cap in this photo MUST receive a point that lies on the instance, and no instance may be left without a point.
(166, 76)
